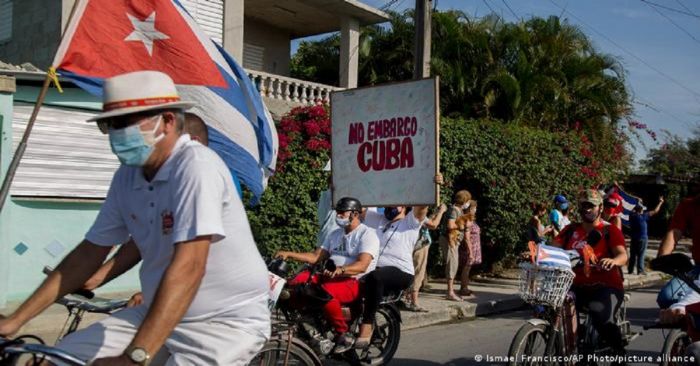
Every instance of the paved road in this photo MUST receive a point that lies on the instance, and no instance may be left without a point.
(458, 344)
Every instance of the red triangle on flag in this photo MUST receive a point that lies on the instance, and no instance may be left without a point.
(118, 36)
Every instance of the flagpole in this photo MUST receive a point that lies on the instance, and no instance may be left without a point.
(12, 169)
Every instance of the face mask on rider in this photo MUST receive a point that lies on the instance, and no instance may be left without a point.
(591, 215)
(391, 212)
(132, 146)
(342, 222)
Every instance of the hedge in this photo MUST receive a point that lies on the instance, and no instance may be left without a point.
(506, 167)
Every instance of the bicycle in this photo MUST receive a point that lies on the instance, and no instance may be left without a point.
(84, 301)
(547, 338)
(13, 350)
(678, 339)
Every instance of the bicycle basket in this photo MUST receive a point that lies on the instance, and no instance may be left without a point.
(544, 285)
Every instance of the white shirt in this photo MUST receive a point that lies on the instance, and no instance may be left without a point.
(690, 297)
(325, 214)
(345, 248)
(396, 239)
(191, 195)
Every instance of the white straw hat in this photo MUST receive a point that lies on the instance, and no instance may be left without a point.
(139, 91)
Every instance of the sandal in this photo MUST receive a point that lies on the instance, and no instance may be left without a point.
(454, 297)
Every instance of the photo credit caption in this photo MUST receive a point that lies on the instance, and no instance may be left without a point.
(631, 359)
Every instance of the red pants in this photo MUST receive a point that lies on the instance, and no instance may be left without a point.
(344, 290)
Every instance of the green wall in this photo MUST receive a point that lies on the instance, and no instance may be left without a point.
(38, 223)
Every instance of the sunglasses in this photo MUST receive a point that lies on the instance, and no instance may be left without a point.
(117, 123)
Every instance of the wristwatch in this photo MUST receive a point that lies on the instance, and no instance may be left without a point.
(138, 355)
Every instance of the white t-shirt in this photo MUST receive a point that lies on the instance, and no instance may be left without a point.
(325, 214)
(396, 239)
(191, 195)
(345, 248)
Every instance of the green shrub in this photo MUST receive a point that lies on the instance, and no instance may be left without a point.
(507, 167)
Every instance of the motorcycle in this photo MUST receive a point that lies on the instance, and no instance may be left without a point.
(306, 327)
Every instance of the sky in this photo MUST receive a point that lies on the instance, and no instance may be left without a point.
(657, 42)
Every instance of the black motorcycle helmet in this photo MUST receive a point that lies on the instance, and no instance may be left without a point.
(348, 204)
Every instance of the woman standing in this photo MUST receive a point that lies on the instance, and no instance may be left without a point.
(450, 248)
(536, 231)
(470, 249)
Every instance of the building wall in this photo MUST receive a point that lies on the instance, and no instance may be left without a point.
(48, 228)
(276, 44)
(36, 31)
(5, 148)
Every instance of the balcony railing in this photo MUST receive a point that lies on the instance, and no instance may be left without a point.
(290, 89)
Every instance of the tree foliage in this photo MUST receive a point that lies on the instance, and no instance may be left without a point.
(677, 157)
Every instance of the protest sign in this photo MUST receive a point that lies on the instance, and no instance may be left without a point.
(385, 143)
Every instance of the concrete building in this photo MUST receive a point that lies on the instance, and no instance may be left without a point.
(67, 167)
(257, 33)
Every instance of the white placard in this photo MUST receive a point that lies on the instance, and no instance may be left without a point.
(385, 143)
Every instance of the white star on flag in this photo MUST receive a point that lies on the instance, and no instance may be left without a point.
(145, 31)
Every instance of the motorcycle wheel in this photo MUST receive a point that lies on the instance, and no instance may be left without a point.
(384, 343)
(274, 353)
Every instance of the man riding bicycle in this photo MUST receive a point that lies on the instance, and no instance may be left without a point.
(602, 291)
(353, 248)
(205, 284)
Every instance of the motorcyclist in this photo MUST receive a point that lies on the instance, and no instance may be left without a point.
(353, 248)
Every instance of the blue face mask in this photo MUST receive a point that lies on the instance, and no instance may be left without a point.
(391, 212)
(132, 146)
(564, 206)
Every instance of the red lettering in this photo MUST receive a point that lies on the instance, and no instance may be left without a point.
(357, 133)
(393, 148)
(407, 153)
(378, 155)
(370, 131)
(414, 126)
(363, 156)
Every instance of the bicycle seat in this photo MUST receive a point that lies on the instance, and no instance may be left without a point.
(94, 305)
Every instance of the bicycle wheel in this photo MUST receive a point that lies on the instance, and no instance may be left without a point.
(277, 351)
(674, 348)
(529, 346)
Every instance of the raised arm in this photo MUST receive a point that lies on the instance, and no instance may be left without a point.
(657, 208)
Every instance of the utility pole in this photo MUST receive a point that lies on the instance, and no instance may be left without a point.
(421, 55)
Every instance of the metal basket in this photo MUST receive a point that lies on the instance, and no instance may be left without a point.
(544, 285)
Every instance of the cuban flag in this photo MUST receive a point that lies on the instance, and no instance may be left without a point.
(110, 37)
(549, 256)
(629, 202)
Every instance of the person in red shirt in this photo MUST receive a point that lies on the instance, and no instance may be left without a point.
(602, 291)
(685, 222)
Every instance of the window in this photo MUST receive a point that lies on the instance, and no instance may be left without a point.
(209, 14)
(253, 57)
(5, 20)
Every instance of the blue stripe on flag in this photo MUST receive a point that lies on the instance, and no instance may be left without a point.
(265, 143)
(239, 161)
(90, 85)
(628, 204)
